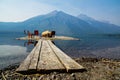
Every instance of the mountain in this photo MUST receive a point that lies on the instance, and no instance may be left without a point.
(62, 23)
(12, 26)
(59, 21)
(85, 17)
(103, 26)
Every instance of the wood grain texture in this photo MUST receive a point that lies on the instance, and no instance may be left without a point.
(68, 62)
(25, 64)
(48, 59)
(45, 56)
(35, 58)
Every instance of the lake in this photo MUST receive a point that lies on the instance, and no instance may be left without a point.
(14, 51)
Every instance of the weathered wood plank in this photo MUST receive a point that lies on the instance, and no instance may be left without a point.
(45, 57)
(35, 58)
(68, 62)
(48, 59)
(25, 64)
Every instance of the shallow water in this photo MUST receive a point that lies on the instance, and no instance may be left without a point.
(14, 51)
(92, 46)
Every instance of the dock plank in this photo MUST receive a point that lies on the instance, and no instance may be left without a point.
(35, 58)
(25, 64)
(48, 59)
(45, 56)
(68, 62)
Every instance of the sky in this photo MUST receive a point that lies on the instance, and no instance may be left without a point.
(20, 10)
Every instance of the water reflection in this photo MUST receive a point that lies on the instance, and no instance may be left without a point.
(6, 50)
(10, 54)
(29, 42)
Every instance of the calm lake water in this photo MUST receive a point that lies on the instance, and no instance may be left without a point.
(13, 51)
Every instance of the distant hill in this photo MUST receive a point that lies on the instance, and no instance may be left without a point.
(62, 23)
(103, 26)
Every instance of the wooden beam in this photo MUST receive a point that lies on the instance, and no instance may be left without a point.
(24, 66)
(45, 56)
(35, 58)
(48, 59)
(68, 62)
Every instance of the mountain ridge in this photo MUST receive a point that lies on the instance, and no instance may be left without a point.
(62, 23)
(103, 26)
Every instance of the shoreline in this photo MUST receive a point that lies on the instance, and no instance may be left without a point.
(108, 69)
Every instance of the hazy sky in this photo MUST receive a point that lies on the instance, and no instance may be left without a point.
(19, 10)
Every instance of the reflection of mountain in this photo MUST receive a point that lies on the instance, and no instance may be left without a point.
(62, 23)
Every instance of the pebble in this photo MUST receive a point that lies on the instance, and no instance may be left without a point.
(95, 70)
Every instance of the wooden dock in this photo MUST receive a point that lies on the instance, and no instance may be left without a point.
(47, 57)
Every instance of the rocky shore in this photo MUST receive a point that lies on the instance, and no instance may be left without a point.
(96, 69)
